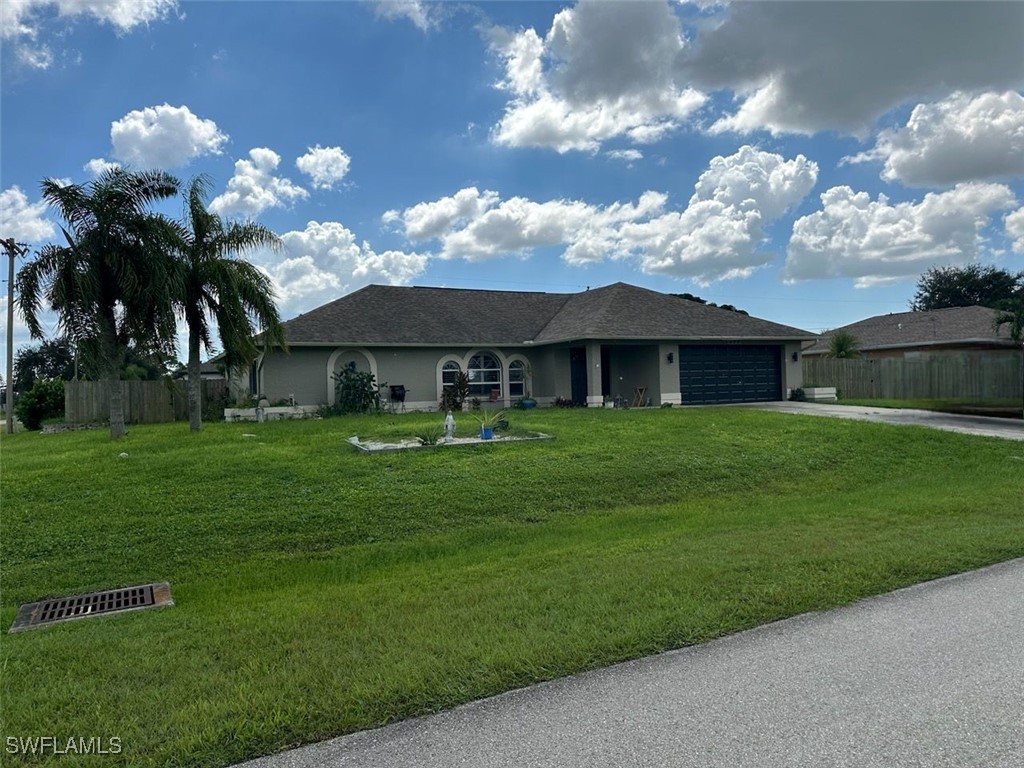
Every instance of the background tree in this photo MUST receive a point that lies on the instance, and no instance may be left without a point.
(967, 286)
(146, 364)
(699, 300)
(843, 345)
(113, 282)
(1011, 313)
(51, 359)
(55, 359)
(217, 285)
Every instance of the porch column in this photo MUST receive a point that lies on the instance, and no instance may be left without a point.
(669, 374)
(594, 397)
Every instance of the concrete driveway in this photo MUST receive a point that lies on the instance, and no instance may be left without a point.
(932, 675)
(1009, 429)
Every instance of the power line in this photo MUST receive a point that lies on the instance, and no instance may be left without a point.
(715, 297)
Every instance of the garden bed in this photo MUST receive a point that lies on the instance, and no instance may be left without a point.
(412, 443)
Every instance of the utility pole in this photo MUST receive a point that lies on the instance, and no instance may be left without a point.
(13, 251)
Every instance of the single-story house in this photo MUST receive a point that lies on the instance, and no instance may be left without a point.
(619, 341)
(208, 371)
(963, 332)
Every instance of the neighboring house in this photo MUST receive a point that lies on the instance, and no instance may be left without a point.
(209, 371)
(590, 347)
(963, 332)
(238, 385)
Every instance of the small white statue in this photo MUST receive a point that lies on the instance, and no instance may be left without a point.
(449, 426)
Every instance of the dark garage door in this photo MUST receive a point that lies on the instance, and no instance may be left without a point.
(719, 373)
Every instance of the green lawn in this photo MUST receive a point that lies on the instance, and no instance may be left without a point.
(320, 591)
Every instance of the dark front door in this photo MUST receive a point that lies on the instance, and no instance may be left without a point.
(722, 373)
(578, 374)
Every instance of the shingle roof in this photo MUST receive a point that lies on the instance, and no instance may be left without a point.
(622, 311)
(381, 314)
(385, 314)
(956, 325)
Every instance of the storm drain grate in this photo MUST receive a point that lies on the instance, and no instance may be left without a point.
(58, 609)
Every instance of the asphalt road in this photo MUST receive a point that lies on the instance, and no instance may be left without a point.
(1009, 429)
(932, 675)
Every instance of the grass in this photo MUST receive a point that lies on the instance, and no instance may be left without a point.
(320, 591)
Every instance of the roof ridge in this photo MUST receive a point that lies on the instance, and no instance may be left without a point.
(568, 298)
(604, 289)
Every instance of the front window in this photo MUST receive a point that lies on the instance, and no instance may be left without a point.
(449, 374)
(484, 375)
(517, 379)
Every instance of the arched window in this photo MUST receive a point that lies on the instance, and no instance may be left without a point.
(449, 373)
(517, 379)
(484, 375)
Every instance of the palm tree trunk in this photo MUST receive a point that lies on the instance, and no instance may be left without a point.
(112, 360)
(195, 392)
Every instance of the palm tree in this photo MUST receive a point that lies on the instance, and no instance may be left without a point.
(1012, 314)
(217, 285)
(113, 282)
(843, 345)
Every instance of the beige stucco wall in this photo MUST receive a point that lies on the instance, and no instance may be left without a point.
(550, 372)
(792, 370)
(305, 372)
(302, 372)
(635, 366)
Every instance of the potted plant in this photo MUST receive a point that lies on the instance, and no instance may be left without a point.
(527, 402)
(488, 423)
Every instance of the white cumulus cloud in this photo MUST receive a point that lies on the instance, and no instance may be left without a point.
(425, 221)
(603, 70)
(98, 165)
(324, 260)
(961, 138)
(476, 226)
(419, 12)
(23, 22)
(1015, 229)
(254, 188)
(325, 166)
(626, 155)
(22, 17)
(875, 241)
(719, 233)
(22, 220)
(35, 57)
(164, 137)
(716, 237)
(808, 67)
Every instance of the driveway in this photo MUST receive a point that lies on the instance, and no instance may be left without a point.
(1009, 429)
(932, 675)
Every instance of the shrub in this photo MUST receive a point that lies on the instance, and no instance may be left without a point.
(214, 405)
(563, 402)
(430, 435)
(454, 396)
(798, 395)
(44, 401)
(356, 392)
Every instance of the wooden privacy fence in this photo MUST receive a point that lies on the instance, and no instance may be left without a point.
(145, 402)
(974, 379)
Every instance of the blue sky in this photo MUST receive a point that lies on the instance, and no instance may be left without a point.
(805, 162)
